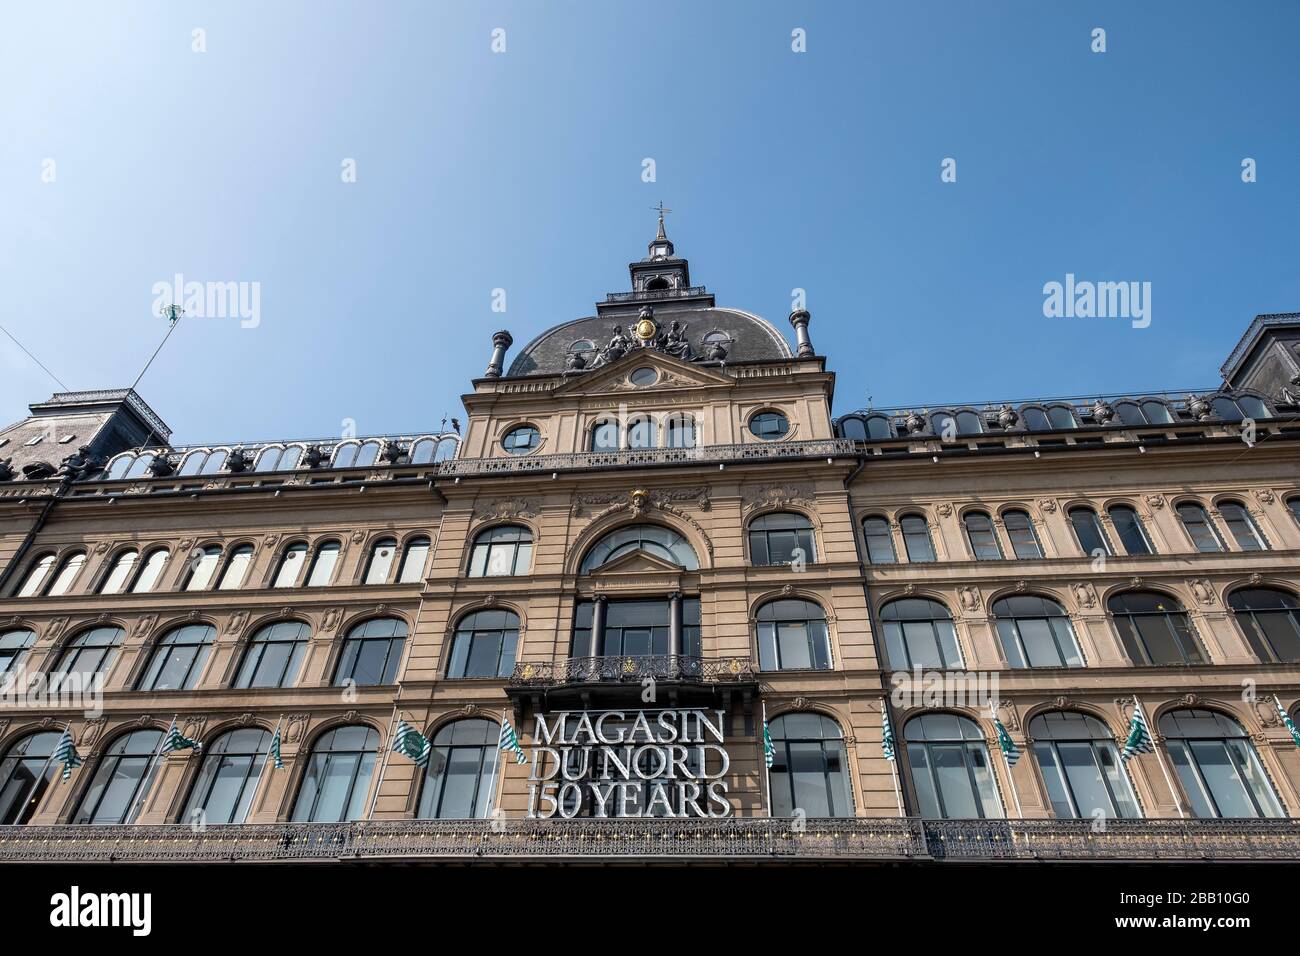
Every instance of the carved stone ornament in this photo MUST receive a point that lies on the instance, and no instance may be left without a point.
(295, 727)
(787, 590)
(1203, 591)
(270, 540)
(1047, 504)
(1084, 594)
(944, 509)
(1155, 502)
(506, 508)
(331, 619)
(101, 547)
(145, 624)
(237, 621)
(639, 499)
(56, 626)
(91, 731)
(1256, 578)
(1265, 496)
(971, 598)
(909, 589)
(777, 496)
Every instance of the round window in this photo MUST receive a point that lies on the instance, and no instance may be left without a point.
(521, 440)
(643, 376)
(769, 425)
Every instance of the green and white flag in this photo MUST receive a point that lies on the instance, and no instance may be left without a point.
(769, 748)
(1139, 735)
(275, 750)
(510, 740)
(886, 734)
(66, 753)
(175, 741)
(1287, 721)
(1009, 749)
(411, 743)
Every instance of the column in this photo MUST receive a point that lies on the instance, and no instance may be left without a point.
(597, 626)
(675, 625)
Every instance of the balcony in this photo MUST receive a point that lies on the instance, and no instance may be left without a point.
(751, 839)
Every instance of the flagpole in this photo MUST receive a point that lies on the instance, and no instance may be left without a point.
(37, 782)
(762, 746)
(501, 771)
(146, 782)
(1178, 803)
(1006, 760)
(893, 764)
(383, 763)
(266, 757)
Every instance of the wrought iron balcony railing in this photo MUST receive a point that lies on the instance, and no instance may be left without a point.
(633, 668)
(753, 838)
(682, 293)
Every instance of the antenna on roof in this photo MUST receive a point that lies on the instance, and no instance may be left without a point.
(172, 314)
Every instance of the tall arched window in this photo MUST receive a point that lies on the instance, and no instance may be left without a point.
(414, 557)
(120, 572)
(90, 652)
(202, 568)
(14, 646)
(879, 540)
(323, 564)
(1197, 524)
(1128, 527)
(653, 539)
(177, 660)
(1024, 540)
(919, 633)
(150, 573)
(950, 770)
(606, 435)
(809, 768)
(292, 562)
(383, 554)
(460, 780)
(119, 779)
(504, 550)
(227, 779)
(372, 652)
(484, 645)
(35, 577)
(1035, 632)
(25, 774)
(1293, 504)
(916, 538)
(1089, 532)
(982, 537)
(1270, 620)
(1242, 526)
(274, 655)
(1154, 629)
(68, 570)
(641, 433)
(679, 431)
(337, 779)
(1217, 765)
(775, 538)
(1081, 767)
(792, 635)
(236, 569)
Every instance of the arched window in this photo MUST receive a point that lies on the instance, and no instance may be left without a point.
(1270, 619)
(1241, 524)
(1081, 767)
(879, 540)
(236, 569)
(635, 627)
(1035, 632)
(228, 777)
(119, 779)
(413, 560)
(203, 567)
(1217, 765)
(484, 645)
(982, 537)
(1197, 524)
(969, 423)
(878, 428)
(372, 652)
(25, 774)
(916, 538)
(919, 633)
(792, 635)
(1128, 526)
(1089, 532)
(274, 655)
(769, 425)
(653, 539)
(642, 433)
(950, 770)
(337, 779)
(36, 576)
(606, 435)
(120, 572)
(680, 431)
(809, 768)
(776, 538)
(1294, 504)
(152, 570)
(1154, 629)
(177, 660)
(323, 564)
(853, 428)
(380, 564)
(117, 468)
(1024, 540)
(504, 550)
(460, 780)
(1244, 406)
(14, 646)
(291, 564)
(68, 572)
(90, 652)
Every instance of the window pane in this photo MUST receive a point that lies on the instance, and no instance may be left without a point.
(417, 553)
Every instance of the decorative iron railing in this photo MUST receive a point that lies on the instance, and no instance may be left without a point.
(633, 668)
(753, 838)
(682, 293)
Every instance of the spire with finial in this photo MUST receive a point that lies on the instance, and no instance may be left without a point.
(661, 247)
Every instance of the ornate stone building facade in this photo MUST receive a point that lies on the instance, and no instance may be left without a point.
(653, 511)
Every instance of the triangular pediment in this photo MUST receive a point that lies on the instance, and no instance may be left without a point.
(636, 562)
(673, 373)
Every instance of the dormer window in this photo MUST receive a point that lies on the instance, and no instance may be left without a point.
(657, 284)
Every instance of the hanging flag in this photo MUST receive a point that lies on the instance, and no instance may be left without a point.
(510, 741)
(66, 753)
(1287, 721)
(886, 734)
(1009, 749)
(175, 741)
(769, 748)
(1139, 735)
(275, 750)
(409, 742)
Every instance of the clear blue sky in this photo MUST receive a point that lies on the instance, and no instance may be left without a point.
(522, 171)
